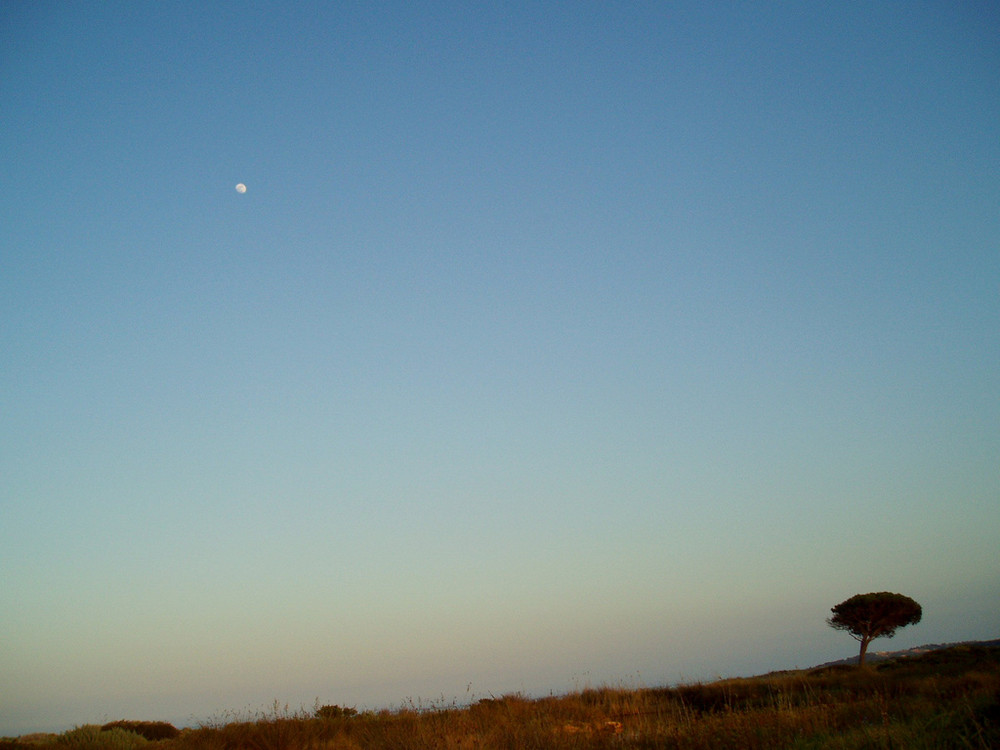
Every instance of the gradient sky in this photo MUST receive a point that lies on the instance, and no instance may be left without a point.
(552, 344)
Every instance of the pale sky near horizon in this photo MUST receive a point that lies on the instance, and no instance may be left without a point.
(551, 345)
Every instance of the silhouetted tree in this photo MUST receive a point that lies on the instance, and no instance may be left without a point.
(878, 615)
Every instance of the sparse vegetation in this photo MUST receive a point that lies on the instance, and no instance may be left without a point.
(943, 699)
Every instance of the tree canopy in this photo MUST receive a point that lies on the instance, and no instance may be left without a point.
(877, 615)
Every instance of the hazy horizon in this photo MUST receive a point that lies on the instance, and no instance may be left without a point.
(548, 345)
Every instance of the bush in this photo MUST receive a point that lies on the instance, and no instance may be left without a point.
(151, 730)
(335, 712)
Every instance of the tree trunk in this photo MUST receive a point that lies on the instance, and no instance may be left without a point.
(864, 650)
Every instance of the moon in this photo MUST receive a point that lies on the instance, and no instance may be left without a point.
(241, 188)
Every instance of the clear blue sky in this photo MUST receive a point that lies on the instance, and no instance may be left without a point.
(552, 344)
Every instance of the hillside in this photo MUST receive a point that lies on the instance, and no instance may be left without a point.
(874, 657)
(947, 697)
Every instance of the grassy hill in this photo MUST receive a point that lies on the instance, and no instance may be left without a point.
(947, 698)
(877, 656)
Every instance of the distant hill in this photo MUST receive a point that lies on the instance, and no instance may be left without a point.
(878, 656)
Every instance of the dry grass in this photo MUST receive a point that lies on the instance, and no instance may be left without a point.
(947, 699)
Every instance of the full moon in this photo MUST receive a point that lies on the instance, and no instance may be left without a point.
(241, 188)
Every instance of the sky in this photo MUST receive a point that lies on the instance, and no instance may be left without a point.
(551, 345)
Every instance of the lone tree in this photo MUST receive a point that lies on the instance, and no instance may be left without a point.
(869, 616)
